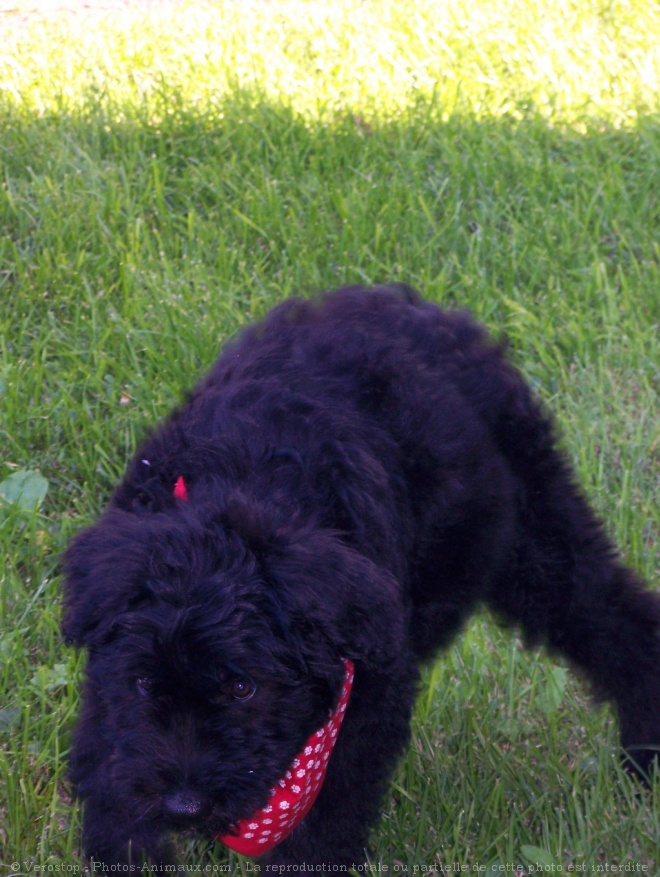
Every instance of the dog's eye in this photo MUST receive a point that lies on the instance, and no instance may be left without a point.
(242, 689)
(144, 685)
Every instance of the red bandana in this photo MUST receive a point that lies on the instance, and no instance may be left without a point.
(293, 796)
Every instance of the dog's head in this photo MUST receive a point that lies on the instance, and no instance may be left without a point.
(215, 641)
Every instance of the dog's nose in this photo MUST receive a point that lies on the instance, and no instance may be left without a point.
(185, 806)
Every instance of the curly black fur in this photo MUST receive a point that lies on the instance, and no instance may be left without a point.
(363, 471)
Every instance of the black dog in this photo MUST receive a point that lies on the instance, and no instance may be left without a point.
(350, 481)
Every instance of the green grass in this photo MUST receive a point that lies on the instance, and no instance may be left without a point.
(169, 172)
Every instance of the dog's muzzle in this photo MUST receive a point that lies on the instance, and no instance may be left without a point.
(185, 807)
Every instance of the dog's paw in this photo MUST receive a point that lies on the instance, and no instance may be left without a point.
(643, 762)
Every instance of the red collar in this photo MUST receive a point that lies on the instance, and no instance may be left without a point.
(293, 796)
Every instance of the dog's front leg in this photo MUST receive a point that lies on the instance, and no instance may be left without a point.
(323, 840)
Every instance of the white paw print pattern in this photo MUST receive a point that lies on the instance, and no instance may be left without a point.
(293, 796)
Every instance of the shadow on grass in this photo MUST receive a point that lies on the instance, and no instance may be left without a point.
(465, 206)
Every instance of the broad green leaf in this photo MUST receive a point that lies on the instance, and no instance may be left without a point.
(25, 488)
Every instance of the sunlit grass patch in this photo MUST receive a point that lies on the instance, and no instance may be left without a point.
(565, 60)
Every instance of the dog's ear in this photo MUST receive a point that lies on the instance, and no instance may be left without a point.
(334, 591)
(100, 571)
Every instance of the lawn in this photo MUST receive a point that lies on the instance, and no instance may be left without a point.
(169, 170)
